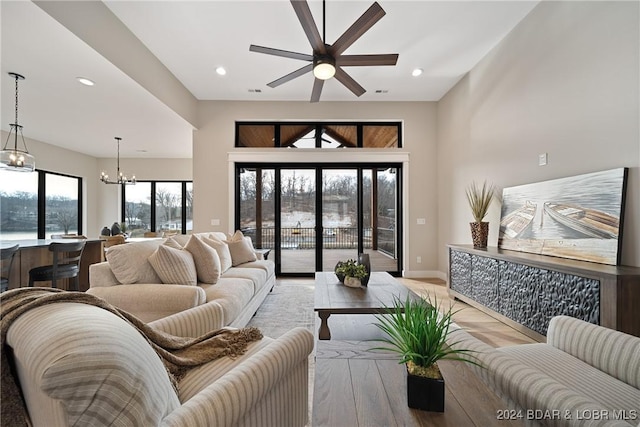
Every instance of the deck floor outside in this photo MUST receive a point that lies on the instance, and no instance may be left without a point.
(303, 260)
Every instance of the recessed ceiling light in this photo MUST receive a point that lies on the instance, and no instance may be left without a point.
(221, 71)
(85, 81)
(416, 72)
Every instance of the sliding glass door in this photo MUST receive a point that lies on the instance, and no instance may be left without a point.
(297, 221)
(314, 216)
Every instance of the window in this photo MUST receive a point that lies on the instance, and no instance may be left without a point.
(38, 204)
(319, 134)
(171, 211)
(61, 204)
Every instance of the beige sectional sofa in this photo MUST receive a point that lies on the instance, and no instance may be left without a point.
(179, 302)
(78, 364)
(584, 375)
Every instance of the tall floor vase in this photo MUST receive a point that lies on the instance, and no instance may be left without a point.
(364, 260)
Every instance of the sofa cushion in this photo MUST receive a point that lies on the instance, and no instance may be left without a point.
(206, 259)
(174, 266)
(223, 252)
(256, 275)
(130, 262)
(268, 266)
(110, 378)
(577, 375)
(233, 294)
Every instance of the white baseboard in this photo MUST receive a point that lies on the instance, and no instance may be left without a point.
(417, 274)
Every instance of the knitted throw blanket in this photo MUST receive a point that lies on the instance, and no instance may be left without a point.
(179, 354)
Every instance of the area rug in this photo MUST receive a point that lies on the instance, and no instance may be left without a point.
(289, 305)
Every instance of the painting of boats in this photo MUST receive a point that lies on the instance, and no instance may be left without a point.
(577, 217)
(590, 222)
(517, 221)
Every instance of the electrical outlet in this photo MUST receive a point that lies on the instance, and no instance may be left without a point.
(215, 222)
(419, 260)
(421, 221)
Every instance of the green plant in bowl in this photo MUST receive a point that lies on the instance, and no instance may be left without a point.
(351, 268)
(417, 331)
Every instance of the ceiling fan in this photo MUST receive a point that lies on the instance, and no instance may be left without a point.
(327, 61)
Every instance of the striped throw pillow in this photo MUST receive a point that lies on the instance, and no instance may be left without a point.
(175, 266)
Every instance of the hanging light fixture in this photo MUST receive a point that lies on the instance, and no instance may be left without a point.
(120, 177)
(11, 157)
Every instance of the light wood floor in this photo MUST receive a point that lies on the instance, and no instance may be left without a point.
(474, 321)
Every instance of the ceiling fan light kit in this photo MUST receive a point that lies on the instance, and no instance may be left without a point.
(327, 61)
(324, 67)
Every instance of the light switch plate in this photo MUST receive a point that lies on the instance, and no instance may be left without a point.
(421, 221)
(215, 222)
(542, 159)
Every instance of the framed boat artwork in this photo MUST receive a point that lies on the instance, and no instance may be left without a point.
(578, 217)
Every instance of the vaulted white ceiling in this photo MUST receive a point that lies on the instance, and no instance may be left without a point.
(192, 38)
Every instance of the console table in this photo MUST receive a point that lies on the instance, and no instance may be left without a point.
(527, 290)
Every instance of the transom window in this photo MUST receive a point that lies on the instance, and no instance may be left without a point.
(318, 134)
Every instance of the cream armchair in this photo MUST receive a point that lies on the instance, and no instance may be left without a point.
(81, 365)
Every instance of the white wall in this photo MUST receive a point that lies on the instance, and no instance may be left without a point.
(564, 82)
(54, 159)
(101, 203)
(215, 140)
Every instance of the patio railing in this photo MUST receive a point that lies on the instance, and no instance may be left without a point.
(332, 238)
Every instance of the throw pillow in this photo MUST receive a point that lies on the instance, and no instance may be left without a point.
(241, 248)
(223, 252)
(174, 266)
(206, 259)
(129, 262)
(241, 251)
(172, 243)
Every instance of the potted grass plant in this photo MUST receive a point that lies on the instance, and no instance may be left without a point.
(418, 332)
(479, 200)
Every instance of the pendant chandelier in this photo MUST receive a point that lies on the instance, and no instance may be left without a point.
(120, 177)
(13, 158)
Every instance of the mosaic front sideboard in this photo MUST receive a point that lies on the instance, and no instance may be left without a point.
(527, 290)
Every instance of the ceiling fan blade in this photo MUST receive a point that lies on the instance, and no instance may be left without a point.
(348, 81)
(362, 60)
(291, 76)
(279, 52)
(358, 28)
(309, 25)
(317, 90)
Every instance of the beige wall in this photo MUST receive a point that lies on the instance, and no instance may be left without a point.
(564, 82)
(144, 169)
(214, 141)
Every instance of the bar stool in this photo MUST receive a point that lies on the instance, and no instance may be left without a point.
(6, 258)
(66, 265)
